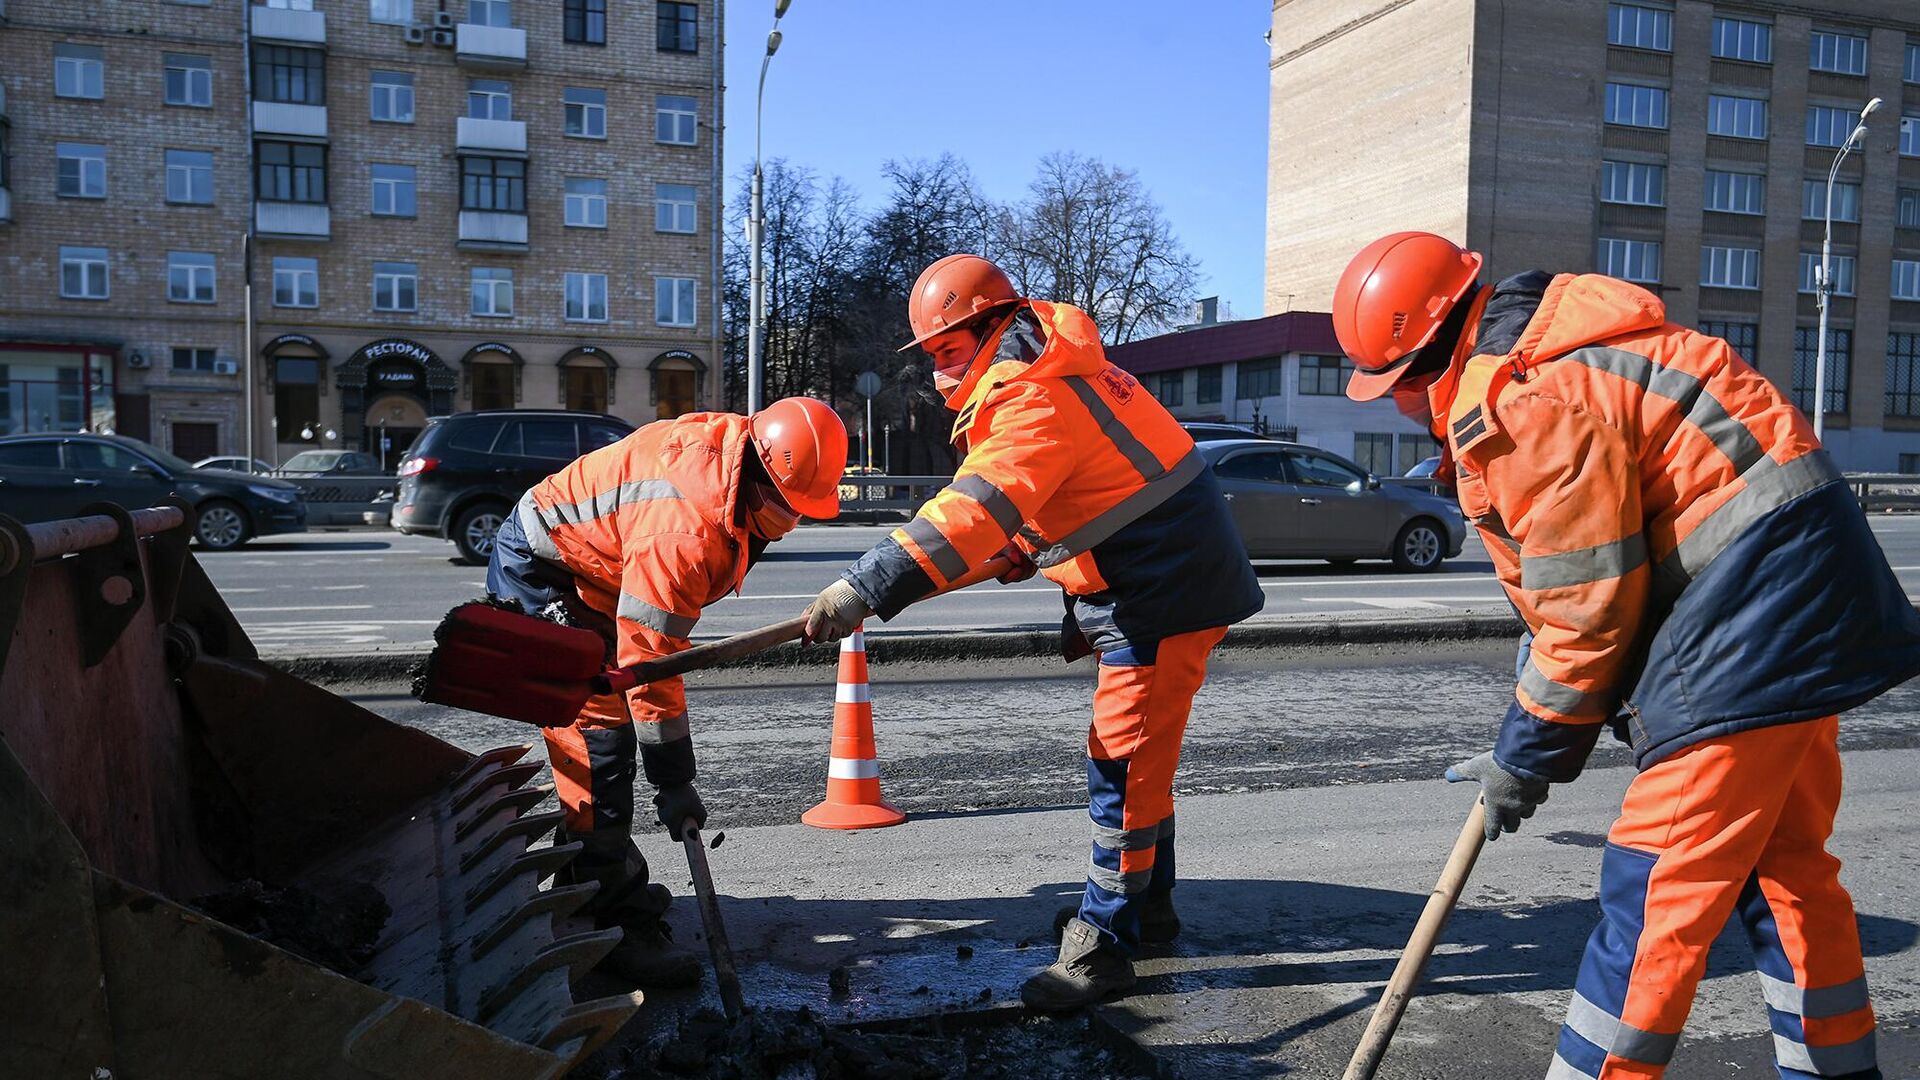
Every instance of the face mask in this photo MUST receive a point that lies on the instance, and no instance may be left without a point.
(768, 516)
(1410, 396)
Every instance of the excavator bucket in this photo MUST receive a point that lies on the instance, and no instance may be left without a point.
(211, 868)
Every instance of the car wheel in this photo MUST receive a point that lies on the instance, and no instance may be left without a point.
(220, 525)
(473, 532)
(1420, 546)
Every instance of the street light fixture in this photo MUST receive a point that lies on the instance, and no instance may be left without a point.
(1824, 285)
(756, 224)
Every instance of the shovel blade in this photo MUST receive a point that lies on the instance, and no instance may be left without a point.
(487, 659)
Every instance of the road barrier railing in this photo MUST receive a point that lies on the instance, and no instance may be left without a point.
(341, 500)
(1886, 491)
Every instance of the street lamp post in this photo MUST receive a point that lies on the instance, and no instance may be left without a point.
(756, 224)
(1824, 286)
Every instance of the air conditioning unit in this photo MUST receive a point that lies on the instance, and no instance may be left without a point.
(443, 19)
(225, 366)
(415, 35)
(443, 38)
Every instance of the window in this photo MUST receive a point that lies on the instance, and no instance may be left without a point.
(289, 75)
(1744, 337)
(1828, 126)
(189, 80)
(1632, 183)
(1910, 136)
(673, 395)
(188, 359)
(1736, 117)
(490, 12)
(1903, 379)
(489, 99)
(586, 202)
(1638, 27)
(189, 277)
(555, 440)
(1264, 466)
(586, 112)
(1805, 361)
(673, 208)
(1736, 193)
(393, 190)
(83, 273)
(586, 298)
(1842, 54)
(288, 5)
(1374, 452)
(1317, 471)
(1208, 390)
(493, 184)
(584, 386)
(492, 388)
(492, 291)
(396, 286)
(1630, 260)
(586, 22)
(398, 12)
(1842, 284)
(44, 454)
(79, 72)
(1324, 376)
(1912, 71)
(81, 169)
(1170, 387)
(1730, 267)
(673, 301)
(296, 396)
(674, 119)
(1906, 279)
(1413, 450)
(1907, 214)
(290, 172)
(296, 282)
(1743, 39)
(1260, 378)
(1813, 203)
(189, 176)
(1636, 106)
(390, 100)
(679, 27)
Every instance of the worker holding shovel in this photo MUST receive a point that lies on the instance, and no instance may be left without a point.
(1694, 572)
(633, 540)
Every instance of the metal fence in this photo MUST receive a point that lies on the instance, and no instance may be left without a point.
(342, 500)
(1886, 491)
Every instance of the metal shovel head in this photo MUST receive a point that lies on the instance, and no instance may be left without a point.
(488, 659)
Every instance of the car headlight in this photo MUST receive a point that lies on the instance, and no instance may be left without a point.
(274, 494)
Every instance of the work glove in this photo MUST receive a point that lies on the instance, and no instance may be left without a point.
(1509, 798)
(835, 613)
(677, 803)
(1023, 565)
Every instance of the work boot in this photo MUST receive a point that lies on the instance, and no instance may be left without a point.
(1090, 970)
(647, 956)
(1159, 923)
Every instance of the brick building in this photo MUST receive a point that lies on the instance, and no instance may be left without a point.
(445, 204)
(1682, 144)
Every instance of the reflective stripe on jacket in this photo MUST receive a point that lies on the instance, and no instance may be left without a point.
(1097, 480)
(1687, 559)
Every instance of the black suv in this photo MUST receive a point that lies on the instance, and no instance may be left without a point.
(49, 476)
(461, 477)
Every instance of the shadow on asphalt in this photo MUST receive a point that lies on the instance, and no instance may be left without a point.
(1268, 568)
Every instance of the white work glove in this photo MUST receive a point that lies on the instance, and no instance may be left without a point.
(1509, 798)
(835, 613)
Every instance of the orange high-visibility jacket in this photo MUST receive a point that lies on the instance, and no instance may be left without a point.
(1099, 482)
(1688, 560)
(646, 528)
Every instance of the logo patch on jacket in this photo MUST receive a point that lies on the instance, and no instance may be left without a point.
(1118, 383)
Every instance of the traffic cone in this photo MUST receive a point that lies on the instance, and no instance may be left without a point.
(853, 773)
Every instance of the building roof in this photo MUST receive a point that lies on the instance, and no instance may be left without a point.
(1249, 339)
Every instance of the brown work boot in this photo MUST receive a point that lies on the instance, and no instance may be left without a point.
(1090, 970)
(1159, 923)
(647, 956)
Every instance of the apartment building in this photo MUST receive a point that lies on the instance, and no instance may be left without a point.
(438, 204)
(1683, 145)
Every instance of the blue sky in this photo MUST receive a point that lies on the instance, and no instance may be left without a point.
(1174, 91)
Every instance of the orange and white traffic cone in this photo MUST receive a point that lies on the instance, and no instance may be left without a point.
(853, 772)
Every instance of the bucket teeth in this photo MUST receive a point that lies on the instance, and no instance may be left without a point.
(517, 802)
(598, 1020)
(499, 755)
(509, 776)
(560, 902)
(541, 862)
(576, 952)
(530, 826)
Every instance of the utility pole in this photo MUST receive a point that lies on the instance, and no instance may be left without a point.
(756, 225)
(246, 361)
(1824, 286)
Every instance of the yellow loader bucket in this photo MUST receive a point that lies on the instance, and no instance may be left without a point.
(209, 868)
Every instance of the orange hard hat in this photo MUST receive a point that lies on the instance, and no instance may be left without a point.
(1390, 303)
(953, 291)
(803, 444)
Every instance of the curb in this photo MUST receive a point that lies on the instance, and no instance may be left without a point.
(1017, 643)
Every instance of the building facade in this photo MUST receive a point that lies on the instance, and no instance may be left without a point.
(438, 205)
(1683, 145)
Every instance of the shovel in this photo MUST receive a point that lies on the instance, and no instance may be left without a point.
(494, 660)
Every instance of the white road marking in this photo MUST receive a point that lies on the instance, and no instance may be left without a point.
(308, 607)
(325, 588)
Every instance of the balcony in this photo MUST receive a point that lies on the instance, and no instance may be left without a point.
(291, 27)
(498, 136)
(298, 221)
(281, 118)
(490, 46)
(493, 230)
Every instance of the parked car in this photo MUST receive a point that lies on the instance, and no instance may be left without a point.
(235, 463)
(331, 463)
(464, 472)
(52, 476)
(1425, 469)
(1207, 431)
(1293, 501)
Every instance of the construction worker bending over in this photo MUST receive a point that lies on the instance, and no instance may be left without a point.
(1071, 466)
(634, 539)
(1693, 571)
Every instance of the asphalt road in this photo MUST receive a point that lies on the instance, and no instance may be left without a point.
(366, 591)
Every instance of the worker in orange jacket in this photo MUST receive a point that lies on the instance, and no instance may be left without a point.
(1695, 573)
(634, 540)
(1072, 468)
